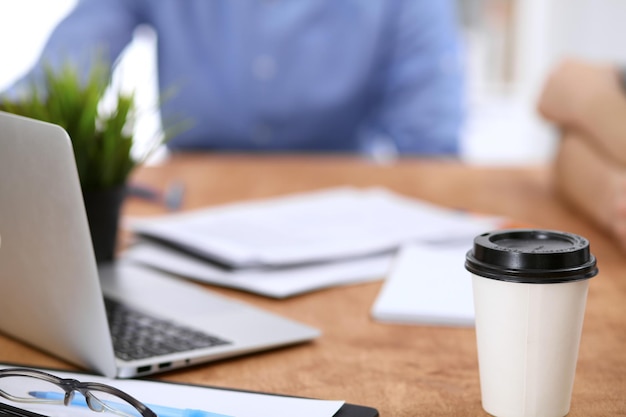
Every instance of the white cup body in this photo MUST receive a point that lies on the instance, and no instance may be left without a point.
(528, 337)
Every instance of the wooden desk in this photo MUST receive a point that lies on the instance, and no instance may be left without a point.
(401, 370)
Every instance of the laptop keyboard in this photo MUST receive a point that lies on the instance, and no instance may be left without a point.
(137, 335)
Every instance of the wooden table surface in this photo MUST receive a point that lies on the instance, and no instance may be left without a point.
(402, 370)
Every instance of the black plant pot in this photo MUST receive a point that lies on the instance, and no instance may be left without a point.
(103, 212)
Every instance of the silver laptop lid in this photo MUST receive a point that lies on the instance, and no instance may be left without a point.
(51, 296)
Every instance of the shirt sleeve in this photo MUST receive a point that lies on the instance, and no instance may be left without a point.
(94, 31)
(421, 84)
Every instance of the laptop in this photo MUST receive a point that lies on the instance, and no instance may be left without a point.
(54, 296)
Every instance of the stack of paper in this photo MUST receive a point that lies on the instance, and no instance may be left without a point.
(289, 245)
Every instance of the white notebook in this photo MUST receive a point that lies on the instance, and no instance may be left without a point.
(428, 284)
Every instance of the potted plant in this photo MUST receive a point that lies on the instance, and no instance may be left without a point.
(102, 140)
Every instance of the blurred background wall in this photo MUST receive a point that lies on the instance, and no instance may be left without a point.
(510, 47)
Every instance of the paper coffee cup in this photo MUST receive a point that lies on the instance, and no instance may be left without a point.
(530, 291)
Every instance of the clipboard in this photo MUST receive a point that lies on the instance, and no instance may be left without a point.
(346, 410)
(7, 410)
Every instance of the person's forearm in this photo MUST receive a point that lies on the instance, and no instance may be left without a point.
(604, 118)
(93, 32)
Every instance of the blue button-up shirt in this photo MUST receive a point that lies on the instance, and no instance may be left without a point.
(291, 75)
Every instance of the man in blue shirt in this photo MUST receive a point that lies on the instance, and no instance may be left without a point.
(289, 75)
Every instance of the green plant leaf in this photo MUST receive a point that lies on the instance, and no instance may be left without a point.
(102, 140)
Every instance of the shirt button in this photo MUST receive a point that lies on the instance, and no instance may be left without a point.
(264, 67)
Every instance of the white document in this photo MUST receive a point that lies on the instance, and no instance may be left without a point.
(428, 284)
(310, 227)
(230, 403)
(270, 282)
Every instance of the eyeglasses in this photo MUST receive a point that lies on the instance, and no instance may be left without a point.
(24, 385)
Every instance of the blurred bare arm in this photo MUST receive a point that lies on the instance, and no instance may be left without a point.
(588, 98)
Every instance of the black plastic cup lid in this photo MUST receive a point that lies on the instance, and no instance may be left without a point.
(531, 256)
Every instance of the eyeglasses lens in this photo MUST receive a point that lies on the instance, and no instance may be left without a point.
(105, 402)
(32, 390)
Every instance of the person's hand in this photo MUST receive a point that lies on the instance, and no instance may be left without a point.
(573, 88)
